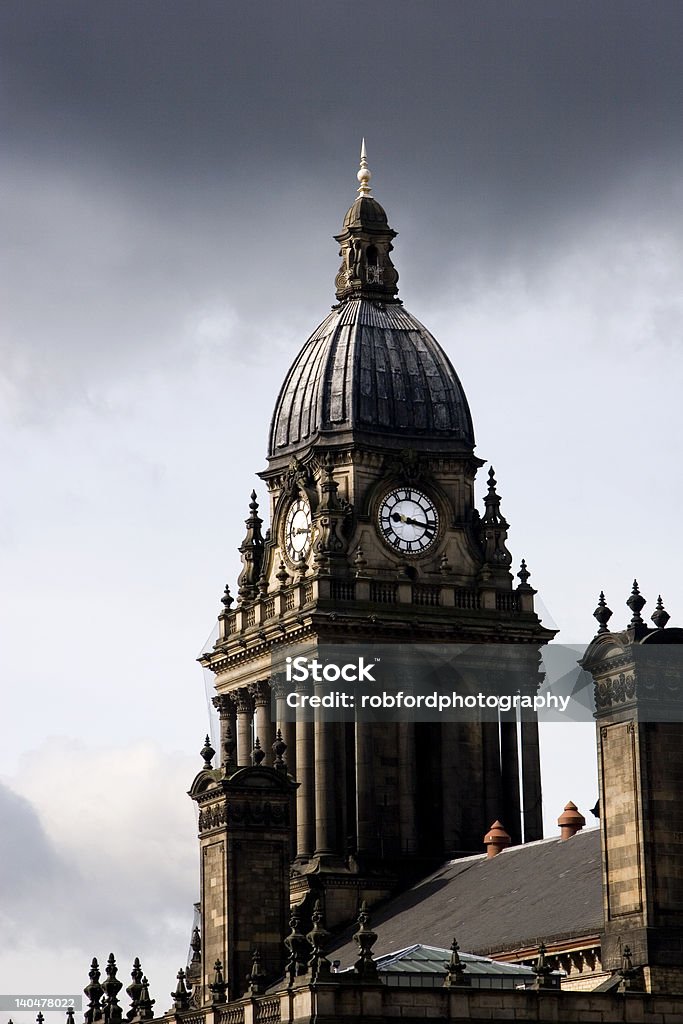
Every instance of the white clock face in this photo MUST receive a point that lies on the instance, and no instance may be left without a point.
(298, 530)
(408, 520)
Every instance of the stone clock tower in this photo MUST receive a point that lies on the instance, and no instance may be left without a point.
(373, 535)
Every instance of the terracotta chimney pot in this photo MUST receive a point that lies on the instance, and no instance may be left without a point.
(570, 821)
(496, 839)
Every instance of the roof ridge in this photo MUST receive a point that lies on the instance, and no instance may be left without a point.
(520, 846)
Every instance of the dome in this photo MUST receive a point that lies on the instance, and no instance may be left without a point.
(365, 212)
(371, 372)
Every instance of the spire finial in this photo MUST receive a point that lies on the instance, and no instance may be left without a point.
(660, 616)
(602, 613)
(455, 972)
(364, 173)
(636, 603)
(319, 964)
(207, 753)
(365, 939)
(543, 970)
(219, 987)
(257, 754)
(523, 573)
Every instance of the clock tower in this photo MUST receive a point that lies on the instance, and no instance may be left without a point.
(373, 536)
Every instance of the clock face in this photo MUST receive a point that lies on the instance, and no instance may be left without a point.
(298, 530)
(408, 520)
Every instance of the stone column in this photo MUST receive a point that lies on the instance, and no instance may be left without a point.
(263, 726)
(288, 730)
(325, 811)
(493, 793)
(226, 705)
(510, 770)
(366, 828)
(305, 796)
(245, 712)
(407, 788)
(531, 778)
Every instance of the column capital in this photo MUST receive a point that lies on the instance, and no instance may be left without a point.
(244, 701)
(260, 692)
(279, 688)
(225, 704)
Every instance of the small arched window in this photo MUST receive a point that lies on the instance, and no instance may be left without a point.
(371, 256)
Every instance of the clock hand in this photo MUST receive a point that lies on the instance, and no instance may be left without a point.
(419, 522)
(398, 518)
(302, 529)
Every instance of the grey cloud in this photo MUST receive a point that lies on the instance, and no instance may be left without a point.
(33, 873)
(160, 166)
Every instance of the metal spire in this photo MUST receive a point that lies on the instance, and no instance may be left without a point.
(364, 173)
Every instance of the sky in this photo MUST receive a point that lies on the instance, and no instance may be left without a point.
(171, 175)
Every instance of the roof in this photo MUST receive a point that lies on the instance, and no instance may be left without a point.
(421, 959)
(548, 890)
(365, 212)
(372, 370)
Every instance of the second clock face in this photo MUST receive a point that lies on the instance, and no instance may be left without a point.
(408, 520)
(298, 530)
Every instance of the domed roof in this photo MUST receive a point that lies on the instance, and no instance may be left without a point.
(371, 372)
(365, 212)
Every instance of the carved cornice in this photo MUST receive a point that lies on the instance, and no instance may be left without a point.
(244, 814)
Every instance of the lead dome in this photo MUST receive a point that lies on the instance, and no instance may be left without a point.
(371, 372)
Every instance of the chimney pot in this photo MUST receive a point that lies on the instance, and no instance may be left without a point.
(570, 821)
(496, 839)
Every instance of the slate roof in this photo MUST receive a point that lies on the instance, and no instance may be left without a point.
(371, 369)
(548, 890)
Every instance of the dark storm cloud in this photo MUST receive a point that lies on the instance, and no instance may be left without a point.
(166, 160)
(529, 93)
